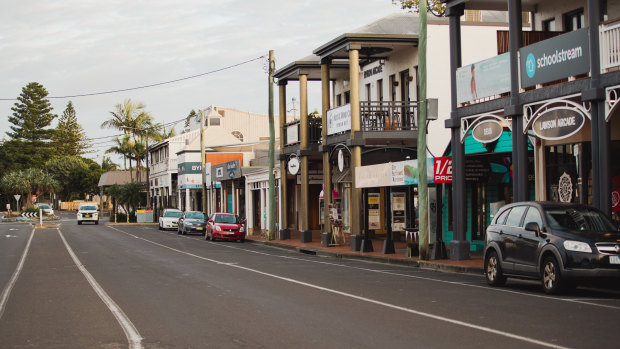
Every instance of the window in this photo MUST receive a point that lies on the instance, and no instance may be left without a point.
(368, 92)
(393, 84)
(502, 217)
(338, 100)
(549, 25)
(347, 97)
(380, 90)
(533, 215)
(514, 217)
(574, 20)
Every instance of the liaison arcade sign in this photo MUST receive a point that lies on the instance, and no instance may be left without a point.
(557, 58)
(558, 123)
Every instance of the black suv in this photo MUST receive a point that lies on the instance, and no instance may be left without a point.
(557, 243)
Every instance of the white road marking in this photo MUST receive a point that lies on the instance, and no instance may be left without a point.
(494, 289)
(349, 295)
(133, 337)
(4, 297)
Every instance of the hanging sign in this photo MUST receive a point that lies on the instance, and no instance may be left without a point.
(293, 166)
(340, 160)
(558, 123)
(565, 188)
(487, 131)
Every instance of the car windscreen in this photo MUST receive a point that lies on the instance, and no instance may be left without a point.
(226, 218)
(175, 214)
(44, 206)
(88, 208)
(582, 219)
(195, 215)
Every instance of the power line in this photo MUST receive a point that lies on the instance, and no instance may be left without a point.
(147, 86)
(122, 134)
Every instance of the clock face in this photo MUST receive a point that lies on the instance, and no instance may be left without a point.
(565, 188)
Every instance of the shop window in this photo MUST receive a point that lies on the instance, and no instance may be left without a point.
(574, 20)
(549, 25)
(568, 173)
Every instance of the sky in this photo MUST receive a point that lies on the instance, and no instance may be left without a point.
(76, 47)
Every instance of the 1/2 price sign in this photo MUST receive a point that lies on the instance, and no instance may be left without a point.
(443, 170)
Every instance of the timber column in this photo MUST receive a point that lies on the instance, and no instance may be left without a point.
(285, 233)
(327, 171)
(305, 234)
(356, 151)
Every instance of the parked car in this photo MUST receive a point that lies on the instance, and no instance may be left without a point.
(225, 226)
(560, 244)
(88, 213)
(170, 219)
(192, 221)
(46, 208)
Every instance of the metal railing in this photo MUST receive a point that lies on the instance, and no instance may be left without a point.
(609, 37)
(314, 132)
(389, 116)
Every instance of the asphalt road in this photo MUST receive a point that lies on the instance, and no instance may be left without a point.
(104, 286)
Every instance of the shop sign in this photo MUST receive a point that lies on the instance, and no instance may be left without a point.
(339, 119)
(293, 166)
(487, 131)
(477, 170)
(374, 211)
(557, 58)
(615, 201)
(443, 170)
(292, 134)
(565, 188)
(558, 123)
(483, 79)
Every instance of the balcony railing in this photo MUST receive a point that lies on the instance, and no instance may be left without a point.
(292, 134)
(610, 45)
(389, 116)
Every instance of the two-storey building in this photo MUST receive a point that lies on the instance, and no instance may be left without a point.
(554, 88)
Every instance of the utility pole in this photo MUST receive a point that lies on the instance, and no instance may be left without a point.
(422, 180)
(148, 173)
(272, 136)
(203, 161)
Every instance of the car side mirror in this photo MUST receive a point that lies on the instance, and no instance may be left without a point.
(533, 227)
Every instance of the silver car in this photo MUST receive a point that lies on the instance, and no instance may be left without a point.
(192, 221)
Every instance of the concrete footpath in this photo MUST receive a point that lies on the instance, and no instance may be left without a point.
(475, 265)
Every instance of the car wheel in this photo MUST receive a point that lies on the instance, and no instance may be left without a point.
(96, 222)
(552, 281)
(79, 222)
(493, 270)
(241, 240)
(159, 226)
(179, 230)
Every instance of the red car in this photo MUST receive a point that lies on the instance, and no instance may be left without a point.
(225, 226)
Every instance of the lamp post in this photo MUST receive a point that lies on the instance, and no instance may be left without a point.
(203, 161)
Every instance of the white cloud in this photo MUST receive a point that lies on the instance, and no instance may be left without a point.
(78, 46)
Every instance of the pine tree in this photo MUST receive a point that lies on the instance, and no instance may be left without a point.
(69, 138)
(30, 137)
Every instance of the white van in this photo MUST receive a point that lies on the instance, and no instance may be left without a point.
(88, 212)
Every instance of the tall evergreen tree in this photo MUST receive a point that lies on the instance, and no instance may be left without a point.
(30, 137)
(70, 138)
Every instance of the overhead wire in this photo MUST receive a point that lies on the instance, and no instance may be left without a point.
(149, 85)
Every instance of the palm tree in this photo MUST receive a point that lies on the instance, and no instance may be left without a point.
(123, 147)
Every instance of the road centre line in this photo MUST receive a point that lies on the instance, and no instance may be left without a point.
(4, 297)
(133, 337)
(349, 295)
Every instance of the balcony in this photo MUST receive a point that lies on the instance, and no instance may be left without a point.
(292, 136)
(388, 116)
(609, 41)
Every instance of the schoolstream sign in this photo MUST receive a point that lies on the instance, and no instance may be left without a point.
(558, 123)
(557, 58)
